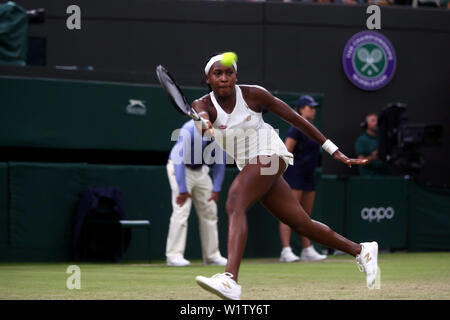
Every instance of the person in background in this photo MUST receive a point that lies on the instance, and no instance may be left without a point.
(366, 147)
(300, 178)
(190, 182)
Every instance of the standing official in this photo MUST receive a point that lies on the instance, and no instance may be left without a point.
(190, 182)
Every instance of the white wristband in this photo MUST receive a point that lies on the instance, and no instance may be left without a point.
(329, 147)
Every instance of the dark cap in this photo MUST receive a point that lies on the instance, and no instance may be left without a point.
(306, 101)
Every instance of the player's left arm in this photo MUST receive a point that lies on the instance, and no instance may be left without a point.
(264, 98)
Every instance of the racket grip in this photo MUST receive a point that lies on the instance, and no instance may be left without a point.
(205, 125)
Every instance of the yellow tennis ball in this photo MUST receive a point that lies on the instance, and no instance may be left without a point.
(228, 58)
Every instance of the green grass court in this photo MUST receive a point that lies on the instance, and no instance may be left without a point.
(404, 276)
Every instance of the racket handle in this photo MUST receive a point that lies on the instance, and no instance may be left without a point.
(205, 125)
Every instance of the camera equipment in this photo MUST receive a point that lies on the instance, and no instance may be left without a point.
(400, 141)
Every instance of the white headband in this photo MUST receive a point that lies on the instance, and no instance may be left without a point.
(213, 60)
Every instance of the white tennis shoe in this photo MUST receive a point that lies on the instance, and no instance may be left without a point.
(221, 284)
(310, 254)
(220, 261)
(288, 256)
(367, 261)
(178, 262)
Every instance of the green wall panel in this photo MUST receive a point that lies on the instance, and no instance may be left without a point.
(4, 219)
(377, 211)
(430, 218)
(146, 196)
(56, 113)
(43, 200)
(85, 115)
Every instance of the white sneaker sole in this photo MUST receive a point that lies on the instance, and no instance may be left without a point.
(313, 259)
(374, 284)
(171, 264)
(207, 287)
(287, 260)
(215, 264)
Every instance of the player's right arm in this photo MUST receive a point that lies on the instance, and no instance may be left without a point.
(204, 108)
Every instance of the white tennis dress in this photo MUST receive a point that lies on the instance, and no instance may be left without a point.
(244, 135)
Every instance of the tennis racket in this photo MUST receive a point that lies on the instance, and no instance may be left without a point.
(177, 97)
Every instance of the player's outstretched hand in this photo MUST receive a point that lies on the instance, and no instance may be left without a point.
(339, 156)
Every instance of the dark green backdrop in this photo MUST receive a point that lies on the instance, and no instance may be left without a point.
(38, 200)
(36, 225)
(55, 113)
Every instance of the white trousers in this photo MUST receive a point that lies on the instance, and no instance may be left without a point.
(199, 185)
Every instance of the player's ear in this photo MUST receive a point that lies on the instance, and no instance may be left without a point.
(207, 79)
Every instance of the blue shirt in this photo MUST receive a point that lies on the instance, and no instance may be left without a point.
(190, 150)
(306, 152)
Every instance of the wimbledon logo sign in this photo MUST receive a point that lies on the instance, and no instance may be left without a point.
(369, 60)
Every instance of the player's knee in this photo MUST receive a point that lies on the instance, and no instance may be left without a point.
(232, 207)
(311, 227)
(229, 207)
(236, 203)
(322, 226)
(231, 202)
(304, 228)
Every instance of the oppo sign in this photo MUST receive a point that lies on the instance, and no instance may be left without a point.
(377, 213)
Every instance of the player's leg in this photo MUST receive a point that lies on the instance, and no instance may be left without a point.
(176, 237)
(247, 188)
(207, 217)
(284, 206)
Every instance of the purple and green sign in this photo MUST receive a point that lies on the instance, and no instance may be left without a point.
(369, 60)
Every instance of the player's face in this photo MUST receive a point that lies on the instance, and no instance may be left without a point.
(221, 79)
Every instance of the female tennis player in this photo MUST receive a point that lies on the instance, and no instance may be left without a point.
(235, 114)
